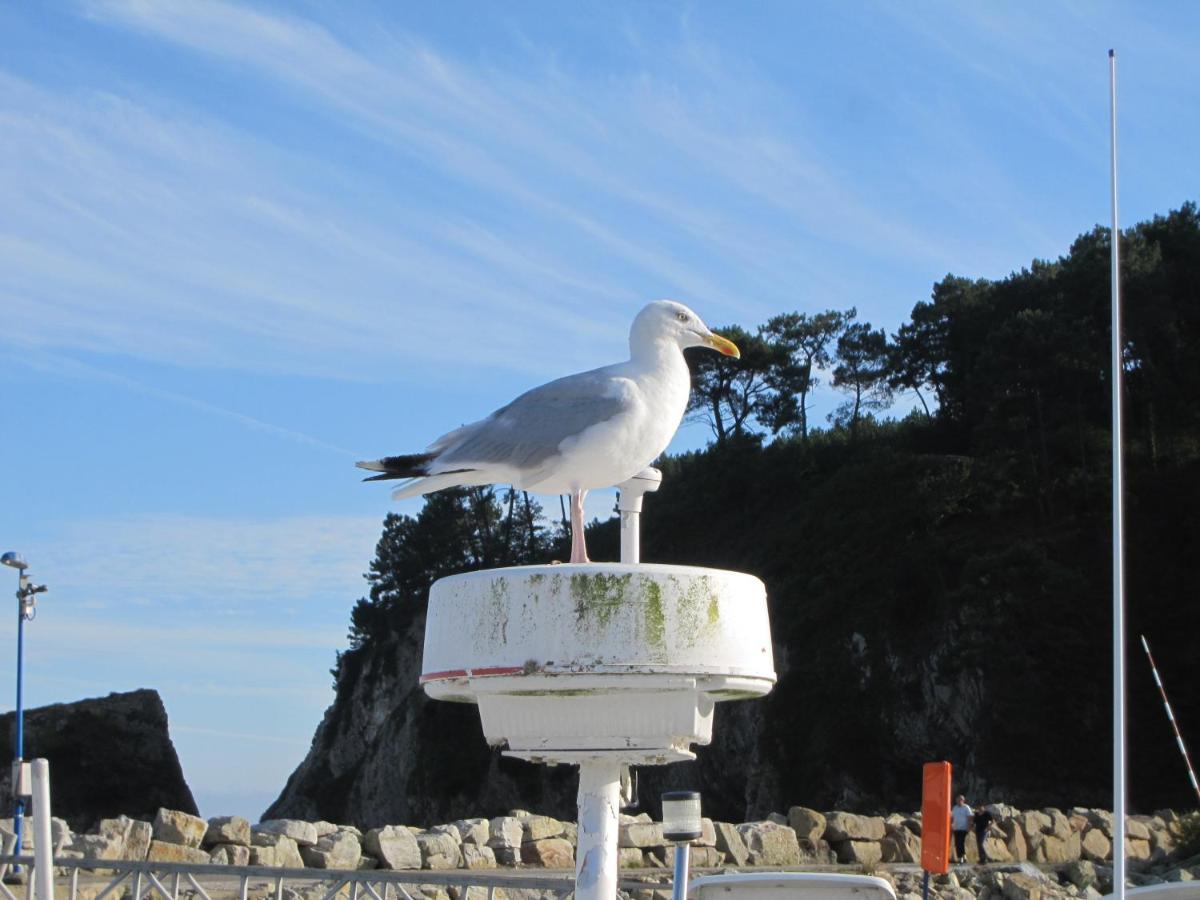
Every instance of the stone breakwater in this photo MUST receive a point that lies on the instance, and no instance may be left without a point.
(1076, 844)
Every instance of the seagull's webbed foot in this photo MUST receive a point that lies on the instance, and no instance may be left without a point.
(578, 542)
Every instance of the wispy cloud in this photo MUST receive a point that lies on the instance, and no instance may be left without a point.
(210, 563)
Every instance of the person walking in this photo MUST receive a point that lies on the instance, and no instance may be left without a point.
(960, 824)
(982, 821)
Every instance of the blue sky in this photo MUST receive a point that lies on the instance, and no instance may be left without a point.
(244, 245)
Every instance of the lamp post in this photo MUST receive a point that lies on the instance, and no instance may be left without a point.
(681, 826)
(26, 601)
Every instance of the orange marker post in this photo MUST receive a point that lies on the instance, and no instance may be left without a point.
(935, 818)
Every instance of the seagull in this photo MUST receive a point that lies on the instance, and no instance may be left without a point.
(589, 430)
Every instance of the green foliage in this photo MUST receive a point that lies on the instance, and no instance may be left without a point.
(458, 530)
(731, 395)
(805, 340)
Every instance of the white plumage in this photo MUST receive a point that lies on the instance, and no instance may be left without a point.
(584, 431)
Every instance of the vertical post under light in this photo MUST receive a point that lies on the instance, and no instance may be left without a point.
(1118, 515)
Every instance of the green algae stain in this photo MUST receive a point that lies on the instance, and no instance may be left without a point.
(714, 612)
(656, 620)
(598, 596)
(499, 610)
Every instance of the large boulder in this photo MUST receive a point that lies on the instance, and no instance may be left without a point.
(278, 850)
(474, 831)
(94, 771)
(770, 844)
(1033, 823)
(394, 846)
(230, 855)
(539, 828)
(640, 834)
(1095, 845)
(900, 845)
(173, 826)
(131, 835)
(439, 850)
(303, 833)
(843, 826)
(479, 856)
(864, 853)
(164, 851)
(505, 833)
(339, 850)
(808, 824)
(548, 853)
(730, 843)
(227, 830)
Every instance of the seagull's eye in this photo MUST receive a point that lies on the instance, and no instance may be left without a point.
(682, 317)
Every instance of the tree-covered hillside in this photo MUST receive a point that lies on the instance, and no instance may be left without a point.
(940, 586)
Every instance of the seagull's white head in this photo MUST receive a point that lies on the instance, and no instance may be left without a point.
(674, 322)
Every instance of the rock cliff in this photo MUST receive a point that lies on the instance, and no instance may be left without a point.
(108, 756)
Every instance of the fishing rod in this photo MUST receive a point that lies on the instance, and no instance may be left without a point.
(1171, 717)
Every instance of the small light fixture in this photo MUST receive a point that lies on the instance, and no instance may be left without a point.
(14, 560)
(681, 816)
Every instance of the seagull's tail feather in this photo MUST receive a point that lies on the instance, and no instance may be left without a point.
(410, 465)
(431, 483)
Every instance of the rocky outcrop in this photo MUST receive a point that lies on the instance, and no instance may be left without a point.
(533, 841)
(109, 756)
(385, 753)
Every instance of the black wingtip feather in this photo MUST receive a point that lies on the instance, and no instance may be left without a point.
(410, 465)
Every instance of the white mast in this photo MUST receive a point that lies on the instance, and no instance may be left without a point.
(1118, 519)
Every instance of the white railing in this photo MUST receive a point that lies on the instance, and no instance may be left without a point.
(137, 879)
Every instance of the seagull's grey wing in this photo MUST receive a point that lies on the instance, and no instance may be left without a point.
(527, 432)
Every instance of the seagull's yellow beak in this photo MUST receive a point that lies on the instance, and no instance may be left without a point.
(723, 345)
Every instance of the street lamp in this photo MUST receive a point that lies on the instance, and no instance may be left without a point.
(681, 825)
(27, 593)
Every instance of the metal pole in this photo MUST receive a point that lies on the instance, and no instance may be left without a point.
(1187, 761)
(19, 748)
(599, 808)
(629, 502)
(1118, 516)
(43, 847)
(682, 858)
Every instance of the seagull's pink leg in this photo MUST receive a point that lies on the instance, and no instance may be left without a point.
(578, 545)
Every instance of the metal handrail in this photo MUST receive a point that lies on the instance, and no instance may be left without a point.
(165, 879)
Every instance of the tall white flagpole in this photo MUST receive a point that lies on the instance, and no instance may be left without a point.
(1118, 518)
